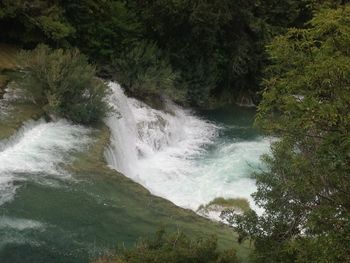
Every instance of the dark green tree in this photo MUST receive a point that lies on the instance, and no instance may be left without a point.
(143, 71)
(192, 35)
(31, 22)
(216, 48)
(305, 187)
(104, 29)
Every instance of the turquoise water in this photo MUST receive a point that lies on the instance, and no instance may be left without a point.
(54, 213)
(77, 221)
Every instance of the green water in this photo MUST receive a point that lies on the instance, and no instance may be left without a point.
(238, 122)
(88, 218)
(88, 215)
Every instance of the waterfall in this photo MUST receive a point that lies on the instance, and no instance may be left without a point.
(168, 152)
(140, 133)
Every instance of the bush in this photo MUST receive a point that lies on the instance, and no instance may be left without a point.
(63, 83)
(142, 71)
(176, 248)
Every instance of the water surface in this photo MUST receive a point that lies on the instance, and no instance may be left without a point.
(59, 202)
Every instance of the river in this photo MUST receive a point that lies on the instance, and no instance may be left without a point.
(60, 203)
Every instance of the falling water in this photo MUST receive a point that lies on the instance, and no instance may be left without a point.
(178, 155)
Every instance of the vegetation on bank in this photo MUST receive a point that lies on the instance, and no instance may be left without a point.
(239, 204)
(8, 57)
(15, 114)
(64, 84)
(175, 248)
(7, 62)
(305, 188)
(203, 51)
(143, 72)
(196, 52)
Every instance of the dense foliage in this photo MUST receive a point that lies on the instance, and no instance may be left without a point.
(216, 46)
(305, 188)
(208, 52)
(176, 248)
(205, 52)
(64, 84)
(33, 22)
(142, 71)
(103, 29)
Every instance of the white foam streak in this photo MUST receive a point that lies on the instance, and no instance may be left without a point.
(165, 151)
(37, 151)
(19, 223)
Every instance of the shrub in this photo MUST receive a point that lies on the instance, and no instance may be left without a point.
(143, 71)
(64, 84)
(176, 248)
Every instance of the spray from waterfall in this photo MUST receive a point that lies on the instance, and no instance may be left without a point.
(167, 152)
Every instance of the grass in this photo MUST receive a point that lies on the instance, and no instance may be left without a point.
(8, 55)
(93, 159)
(238, 203)
(18, 112)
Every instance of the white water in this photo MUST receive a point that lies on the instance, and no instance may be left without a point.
(13, 230)
(168, 153)
(37, 152)
(19, 223)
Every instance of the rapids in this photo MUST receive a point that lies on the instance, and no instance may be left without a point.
(179, 155)
(59, 202)
(37, 152)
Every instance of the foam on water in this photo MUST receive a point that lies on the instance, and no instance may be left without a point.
(19, 223)
(167, 152)
(15, 230)
(37, 152)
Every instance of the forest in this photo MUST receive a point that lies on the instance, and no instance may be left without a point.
(201, 53)
(290, 59)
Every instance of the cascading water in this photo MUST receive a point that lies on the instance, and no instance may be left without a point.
(45, 214)
(36, 153)
(177, 155)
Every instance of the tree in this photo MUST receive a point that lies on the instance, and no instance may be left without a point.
(143, 71)
(217, 47)
(64, 84)
(103, 29)
(201, 39)
(32, 22)
(305, 187)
